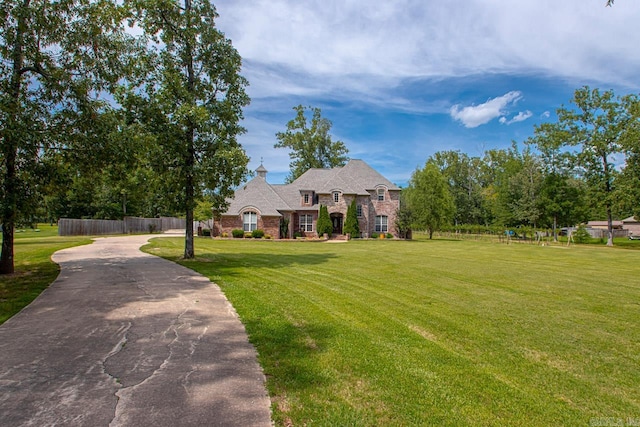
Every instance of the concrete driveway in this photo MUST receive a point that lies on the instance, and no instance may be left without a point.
(123, 338)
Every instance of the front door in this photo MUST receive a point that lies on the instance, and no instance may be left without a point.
(336, 220)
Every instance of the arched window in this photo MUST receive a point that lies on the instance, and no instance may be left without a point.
(249, 221)
(380, 194)
(336, 196)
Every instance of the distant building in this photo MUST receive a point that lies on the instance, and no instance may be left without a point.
(264, 206)
(632, 225)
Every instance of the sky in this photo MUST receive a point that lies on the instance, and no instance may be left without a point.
(401, 80)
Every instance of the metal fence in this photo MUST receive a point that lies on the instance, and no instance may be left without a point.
(96, 227)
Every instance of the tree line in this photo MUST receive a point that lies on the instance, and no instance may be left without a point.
(585, 166)
(98, 121)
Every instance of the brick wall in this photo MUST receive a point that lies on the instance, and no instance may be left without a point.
(270, 225)
(389, 207)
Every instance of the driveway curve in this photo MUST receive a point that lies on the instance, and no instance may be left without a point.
(124, 338)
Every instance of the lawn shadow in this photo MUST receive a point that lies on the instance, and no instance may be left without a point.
(227, 263)
(289, 352)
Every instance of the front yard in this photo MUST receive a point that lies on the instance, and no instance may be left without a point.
(435, 332)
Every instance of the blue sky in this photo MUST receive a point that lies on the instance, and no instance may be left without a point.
(403, 79)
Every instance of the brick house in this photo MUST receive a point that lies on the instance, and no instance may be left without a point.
(264, 206)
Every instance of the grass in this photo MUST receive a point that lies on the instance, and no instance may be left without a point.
(34, 270)
(436, 332)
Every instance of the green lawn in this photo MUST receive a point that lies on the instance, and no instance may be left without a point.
(435, 332)
(33, 265)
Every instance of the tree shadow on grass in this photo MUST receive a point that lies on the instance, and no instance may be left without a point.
(288, 351)
(210, 264)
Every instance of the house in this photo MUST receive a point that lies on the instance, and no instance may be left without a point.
(632, 225)
(599, 229)
(293, 208)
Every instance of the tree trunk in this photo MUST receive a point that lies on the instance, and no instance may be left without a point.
(189, 252)
(9, 209)
(608, 191)
(10, 146)
(555, 228)
(609, 226)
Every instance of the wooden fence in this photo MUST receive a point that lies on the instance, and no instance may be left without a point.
(96, 227)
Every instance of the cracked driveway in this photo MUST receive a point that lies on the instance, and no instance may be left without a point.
(124, 338)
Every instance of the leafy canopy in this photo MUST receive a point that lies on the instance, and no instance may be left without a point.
(192, 102)
(310, 144)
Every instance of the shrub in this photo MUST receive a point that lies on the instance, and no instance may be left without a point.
(389, 236)
(257, 234)
(351, 225)
(237, 233)
(268, 236)
(284, 228)
(581, 235)
(324, 225)
(248, 235)
(206, 232)
(375, 235)
(297, 234)
(225, 234)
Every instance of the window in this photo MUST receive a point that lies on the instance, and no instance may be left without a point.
(250, 221)
(380, 194)
(359, 210)
(306, 222)
(306, 199)
(381, 224)
(336, 197)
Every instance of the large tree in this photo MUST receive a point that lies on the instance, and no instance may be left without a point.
(464, 175)
(311, 145)
(58, 58)
(193, 101)
(597, 131)
(429, 199)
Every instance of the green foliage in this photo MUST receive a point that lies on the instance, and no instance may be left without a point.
(284, 228)
(599, 127)
(351, 225)
(257, 234)
(324, 225)
(465, 176)
(237, 233)
(429, 199)
(203, 210)
(58, 59)
(375, 235)
(192, 102)
(404, 218)
(310, 146)
(581, 235)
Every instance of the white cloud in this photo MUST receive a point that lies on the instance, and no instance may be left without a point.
(520, 117)
(347, 42)
(476, 115)
(545, 115)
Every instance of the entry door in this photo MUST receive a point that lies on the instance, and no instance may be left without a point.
(337, 224)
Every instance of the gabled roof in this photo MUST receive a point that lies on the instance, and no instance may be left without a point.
(356, 177)
(257, 194)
